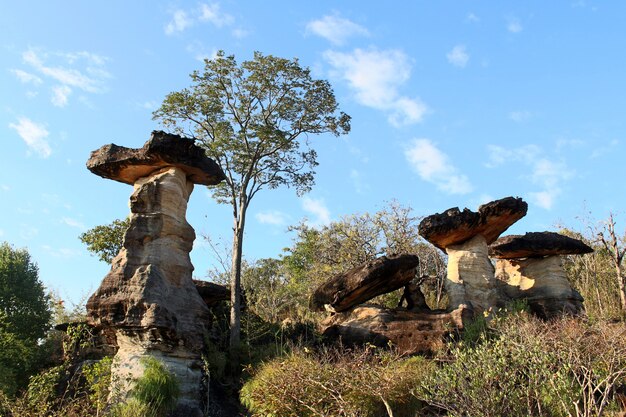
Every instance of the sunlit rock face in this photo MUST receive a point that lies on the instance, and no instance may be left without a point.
(409, 332)
(542, 282)
(149, 298)
(471, 279)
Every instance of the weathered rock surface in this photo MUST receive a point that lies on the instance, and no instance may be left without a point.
(471, 279)
(410, 332)
(361, 284)
(542, 282)
(536, 244)
(211, 292)
(453, 226)
(148, 298)
(127, 165)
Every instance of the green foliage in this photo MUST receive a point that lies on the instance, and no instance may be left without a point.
(158, 389)
(98, 376)
(106, 241)
(25, 317)
(335, 383)
(42, 388)
(531, 368)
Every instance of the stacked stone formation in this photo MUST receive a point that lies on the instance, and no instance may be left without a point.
(148, 298)
(531, 267)
(464, 236)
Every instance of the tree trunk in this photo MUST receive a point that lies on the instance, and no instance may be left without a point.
(621, 284)
(235, 280)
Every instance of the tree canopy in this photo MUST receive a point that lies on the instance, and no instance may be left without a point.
(106, 240)
(254, 119)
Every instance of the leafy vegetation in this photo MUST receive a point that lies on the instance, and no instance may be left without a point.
(106, 240)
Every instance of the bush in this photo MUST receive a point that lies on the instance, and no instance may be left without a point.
(335, 383)
(532, 368)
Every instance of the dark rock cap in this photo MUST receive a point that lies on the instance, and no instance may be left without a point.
(162, 150)
(537, 244)
(211, 292)
(454, 226)
(364, 282)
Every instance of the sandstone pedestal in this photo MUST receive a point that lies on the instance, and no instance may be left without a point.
(148, 298)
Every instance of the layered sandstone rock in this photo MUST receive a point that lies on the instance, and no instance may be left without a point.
(532, 268)
(364, 282)
(454, 226)
(464, 236)
(148, 297)
(408, 331)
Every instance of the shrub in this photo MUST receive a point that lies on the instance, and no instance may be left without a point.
(335, 383)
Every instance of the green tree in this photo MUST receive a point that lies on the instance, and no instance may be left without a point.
(106, 240)
(25, 316)
(254, 119)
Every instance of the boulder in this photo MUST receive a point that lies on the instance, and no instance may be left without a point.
(408, 331)
(536, 244)
(364, 282)
(542, 282)
(127, 165)
(453, 226)
(148, 299)
(211, 292)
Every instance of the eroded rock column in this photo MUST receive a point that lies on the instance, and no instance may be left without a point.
(149, 298)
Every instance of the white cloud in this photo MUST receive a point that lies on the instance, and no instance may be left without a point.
(335, 29)
(603, 149)
(547, 174)
(28, 232)
(201, 52)
(273, 217)
(34, 135)
(360, 185)
(471, 17)
(5, 187)
(318, 209)
(514, 26)
(240, 33)
(60, 252)
(375, 77)
(60, 95)
(458, 56)
(211, 13)
(27, 77)
(180, 21)
(73, 223)
(520, 115)
(434, 166)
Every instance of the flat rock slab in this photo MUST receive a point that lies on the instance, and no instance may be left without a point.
(163, 150)
(364, 282)
(453, 226)
(409, 332)
(536, 244)
(211, 292)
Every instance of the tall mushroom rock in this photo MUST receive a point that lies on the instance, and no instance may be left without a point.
(148, 298)
(531, 266)
(464, 236)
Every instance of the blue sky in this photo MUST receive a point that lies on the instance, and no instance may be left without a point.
(453, 103)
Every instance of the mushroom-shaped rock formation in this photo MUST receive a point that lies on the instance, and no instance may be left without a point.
(537, 244)
(453, 226)
(148, 298)
(464, 236)
(410, 332)
(532, 268)
(364, 282)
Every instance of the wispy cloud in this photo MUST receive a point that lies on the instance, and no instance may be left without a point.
(273, 217)
(544, 172)
(180, 21)
(376, 77)
(360, 185)
(4, 187)
(520, 116)
(212, 13)
(26, 77)
(28, 232)
(434, 166)
(34, 135)
(83, 70)
(73, 223)
(471, 17)
(514, 25)
(603, 149)
(200, 51)
(60, 252)
(335, 29)
(458, 56)
(317, 208)
(205, 13)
